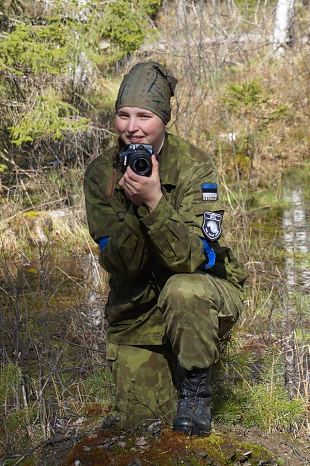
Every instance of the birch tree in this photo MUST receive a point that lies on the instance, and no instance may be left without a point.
(283, 26)
(180, 14)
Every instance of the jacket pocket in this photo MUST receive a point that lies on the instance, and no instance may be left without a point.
(112, 352)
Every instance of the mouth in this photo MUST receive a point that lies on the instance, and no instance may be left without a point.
(135, 139)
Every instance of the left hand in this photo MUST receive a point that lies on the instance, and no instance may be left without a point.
(143, 189)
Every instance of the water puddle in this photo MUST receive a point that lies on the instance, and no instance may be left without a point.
(52, 300)
(96, 288)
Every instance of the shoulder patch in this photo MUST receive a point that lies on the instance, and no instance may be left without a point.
(209, 191)
(212, 225)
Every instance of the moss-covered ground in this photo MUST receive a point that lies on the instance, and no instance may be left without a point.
(220, 448)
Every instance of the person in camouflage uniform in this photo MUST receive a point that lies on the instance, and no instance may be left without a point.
(174, 290)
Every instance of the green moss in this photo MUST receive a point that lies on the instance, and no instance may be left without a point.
(32, 461)
(226, 448)
(31, 214)
(3, 168)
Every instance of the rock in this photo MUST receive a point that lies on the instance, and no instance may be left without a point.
(155, 428)
(79, 421)
(141, 442)
(109, 421)
(108, 444)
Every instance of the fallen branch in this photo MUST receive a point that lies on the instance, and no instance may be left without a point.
(76, 344)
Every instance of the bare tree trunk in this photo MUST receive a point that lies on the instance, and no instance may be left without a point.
(282, 34)
(181, 14)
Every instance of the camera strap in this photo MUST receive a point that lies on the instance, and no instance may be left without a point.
(111, 184)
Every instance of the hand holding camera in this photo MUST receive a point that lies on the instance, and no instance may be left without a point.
(141, 181)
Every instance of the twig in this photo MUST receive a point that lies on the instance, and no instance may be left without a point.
(50, 374)
(76, 344)
(16, 167)
(8, 294)
(70, 278)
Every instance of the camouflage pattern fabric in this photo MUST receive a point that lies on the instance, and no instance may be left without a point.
(158, 290)
(145, 249)
(197, 309)
(145, 385)
(148, 85)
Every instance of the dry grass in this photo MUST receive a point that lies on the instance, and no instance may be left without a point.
(252, 143)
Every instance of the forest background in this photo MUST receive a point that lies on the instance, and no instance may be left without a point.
(244, 96)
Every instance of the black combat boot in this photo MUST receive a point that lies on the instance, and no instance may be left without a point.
(193, 411)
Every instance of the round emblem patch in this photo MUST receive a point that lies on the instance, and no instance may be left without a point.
(212, 225)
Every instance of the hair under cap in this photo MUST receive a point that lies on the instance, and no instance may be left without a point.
(148, 85)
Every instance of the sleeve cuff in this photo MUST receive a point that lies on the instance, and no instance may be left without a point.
(154, 220)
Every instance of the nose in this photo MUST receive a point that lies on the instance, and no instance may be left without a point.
(132, 125)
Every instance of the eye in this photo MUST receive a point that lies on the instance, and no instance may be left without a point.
(145, 116)
(123, 116)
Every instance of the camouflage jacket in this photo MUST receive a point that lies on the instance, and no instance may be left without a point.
(143, 249)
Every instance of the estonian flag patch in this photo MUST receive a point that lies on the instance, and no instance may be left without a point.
(209, 191)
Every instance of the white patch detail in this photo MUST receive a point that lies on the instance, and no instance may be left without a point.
(209, 196)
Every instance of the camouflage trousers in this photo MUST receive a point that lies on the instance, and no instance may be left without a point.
(198, 309)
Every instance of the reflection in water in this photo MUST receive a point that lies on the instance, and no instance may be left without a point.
(52, 295)
(296, 238)
(96, 288)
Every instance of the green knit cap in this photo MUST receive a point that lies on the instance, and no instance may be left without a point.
(148, 85)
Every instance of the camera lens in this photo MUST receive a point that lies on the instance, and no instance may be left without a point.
(142, 166)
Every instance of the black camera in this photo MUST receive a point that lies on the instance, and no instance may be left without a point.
(137, 157)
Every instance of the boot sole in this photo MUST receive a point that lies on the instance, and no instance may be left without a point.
(191, 430)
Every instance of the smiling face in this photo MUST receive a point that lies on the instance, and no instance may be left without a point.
(139, 126)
